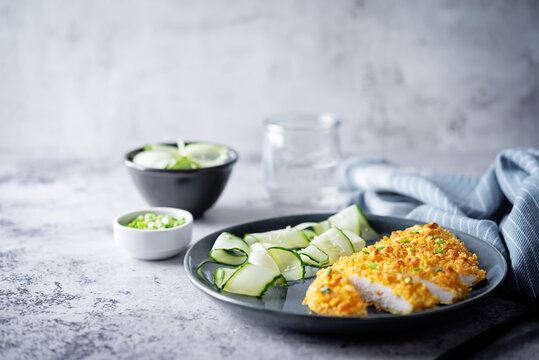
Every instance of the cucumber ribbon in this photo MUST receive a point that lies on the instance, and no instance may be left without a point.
(259, 261)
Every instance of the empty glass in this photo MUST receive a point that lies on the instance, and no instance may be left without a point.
(300, 158)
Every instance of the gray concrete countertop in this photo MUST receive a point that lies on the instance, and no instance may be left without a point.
(66, 291)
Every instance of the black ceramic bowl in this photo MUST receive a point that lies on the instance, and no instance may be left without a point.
(195, 190)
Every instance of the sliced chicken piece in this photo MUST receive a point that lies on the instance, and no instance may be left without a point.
(388, 290)
(444, 283)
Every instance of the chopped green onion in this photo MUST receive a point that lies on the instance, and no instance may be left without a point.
(365, 252)
(435, 236)
(412, 249)
(439, 269)
(151, 221)
(415, 231)
(439, 242)
(328, 271)
(325, 290)
(416, 269)
(407, 280)
(372, 265)
(439, 251)
(381, 247)
(404, 241)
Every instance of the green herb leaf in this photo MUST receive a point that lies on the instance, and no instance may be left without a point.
(439, 251)
(381, 247)
(328, 271)
(435, 236)
(325, 290)
(415, 231)
(365, 252)
(439, 269)
(407, 280)
(439, 242)
(372, 265)
(404, 241)
(417, 269)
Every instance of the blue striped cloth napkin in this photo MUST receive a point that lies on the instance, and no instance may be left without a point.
(501, 207)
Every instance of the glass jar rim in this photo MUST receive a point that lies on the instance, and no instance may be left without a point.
(303, 121)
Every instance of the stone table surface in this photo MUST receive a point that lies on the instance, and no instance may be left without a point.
(66, 291)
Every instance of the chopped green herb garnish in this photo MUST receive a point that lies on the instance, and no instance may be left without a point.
(435, 236)
(328, 271)
(417, 269)
(415, 231)
(439, 251)
(412, 249)
(439, 269)
(372, 265)
(404, 241)
(325, 290)
(381, 247)
(151, 221)
(407, 280)
(439, 242)
(365, 252)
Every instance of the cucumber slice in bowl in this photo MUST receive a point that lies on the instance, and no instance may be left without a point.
(154, 159)
(205, 154)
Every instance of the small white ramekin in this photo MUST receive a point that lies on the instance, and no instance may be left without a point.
(153, 244)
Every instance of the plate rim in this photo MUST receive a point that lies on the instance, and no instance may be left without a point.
(193, 277)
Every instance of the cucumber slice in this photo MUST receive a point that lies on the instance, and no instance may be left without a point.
(206, 154)
(250, 240)
(334, 243)
(229, 250)
(318, 228)
(347, 219)
(325, 225)
(290, 238)
(312, 255)
(261, 257)
(309, 234)
(252, 280)
(154, 159)
(357, 242)
(367, 232)
(289, 263)
(171, 150)
(308, 260)
(222, 275)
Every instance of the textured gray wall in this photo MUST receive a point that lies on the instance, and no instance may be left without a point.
(456, 78)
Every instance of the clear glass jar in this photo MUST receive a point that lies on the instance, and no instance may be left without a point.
(300, 158)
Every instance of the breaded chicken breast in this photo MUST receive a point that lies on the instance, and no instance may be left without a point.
(413, 269)
(438, 248)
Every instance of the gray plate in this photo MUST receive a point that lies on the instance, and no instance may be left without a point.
(282, 306)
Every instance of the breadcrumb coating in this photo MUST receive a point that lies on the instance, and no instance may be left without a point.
(331, 293)
(433, 247)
